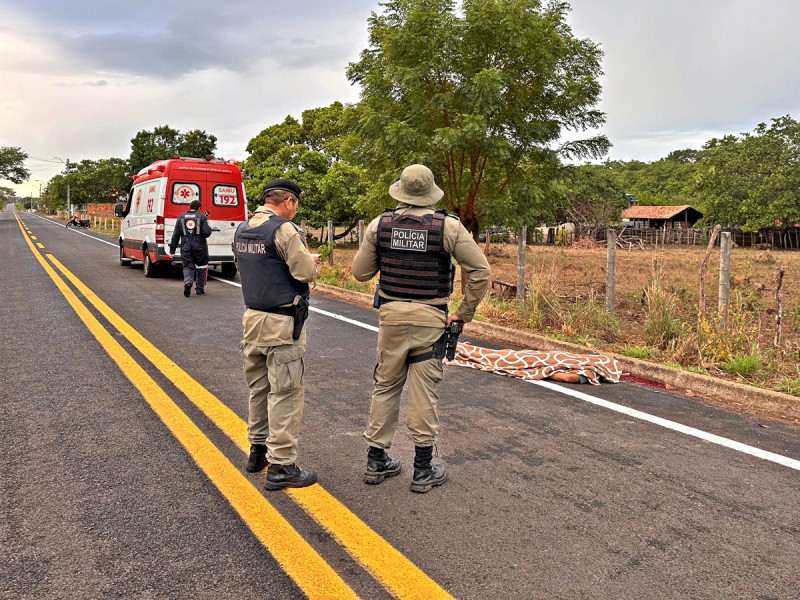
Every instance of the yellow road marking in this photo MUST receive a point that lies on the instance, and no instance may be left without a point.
(40, 245)
(396, 573)
(33, 237)
(300, 561)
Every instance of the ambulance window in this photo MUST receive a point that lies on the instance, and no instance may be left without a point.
(226, 195)
(184, 193)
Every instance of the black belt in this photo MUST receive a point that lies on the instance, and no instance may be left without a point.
(289, 311)
(441, 307)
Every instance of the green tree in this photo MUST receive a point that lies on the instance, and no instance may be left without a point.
(309, 153)
(54, 194)
(6, 194)
(482, 96)
(12, 164)
(102, 180)
(666, 182)
(592, 196)
(753, 180)
(164, 142)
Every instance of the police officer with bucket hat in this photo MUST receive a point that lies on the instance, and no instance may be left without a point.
(276, 268)
(412, 247)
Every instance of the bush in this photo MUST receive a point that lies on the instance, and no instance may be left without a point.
(744, 365)
(642, 353)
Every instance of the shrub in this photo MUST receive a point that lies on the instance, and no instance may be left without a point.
(643, 353)
(744, 365)
(661, 326)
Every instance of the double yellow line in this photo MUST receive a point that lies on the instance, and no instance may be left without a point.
(398, 575)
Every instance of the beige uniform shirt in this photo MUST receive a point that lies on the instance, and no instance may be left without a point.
(268, 329)
(459, 243)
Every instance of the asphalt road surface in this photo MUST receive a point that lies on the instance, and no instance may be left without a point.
(123, 446)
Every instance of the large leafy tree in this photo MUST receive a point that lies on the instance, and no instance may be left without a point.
(104, 180)
(666, 182)
(54, 194)
(592, 197)
(164, 142)
(482, 95)
(753, 180)
(309, 152)
(12, 164)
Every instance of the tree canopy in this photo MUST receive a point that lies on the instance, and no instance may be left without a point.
(164, 142)
(482, 95)
(309, 153)
(104, 180)
(753, 180)
(592, 196)
(12, 164)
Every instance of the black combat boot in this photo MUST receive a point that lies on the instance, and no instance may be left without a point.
(380, 466)
(283, 476)
(187, 289)
(257, 459)
(426, 475)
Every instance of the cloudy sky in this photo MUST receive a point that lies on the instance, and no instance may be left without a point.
(81, 78)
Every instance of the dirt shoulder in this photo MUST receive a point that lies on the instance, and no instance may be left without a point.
(720, 392)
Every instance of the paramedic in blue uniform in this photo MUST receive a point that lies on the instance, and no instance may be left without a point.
(412, 246)
(191, 233)
(276, 268)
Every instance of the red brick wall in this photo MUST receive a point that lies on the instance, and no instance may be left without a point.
(97, 209)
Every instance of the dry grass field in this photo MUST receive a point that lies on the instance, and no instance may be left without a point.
(657, 296)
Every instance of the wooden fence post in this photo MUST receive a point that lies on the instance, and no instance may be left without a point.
(611, 269)
(779, 301)
(303, 231)
(330, 242)
(702, 270)
(724, 276)
(360, 232)
(521, 239)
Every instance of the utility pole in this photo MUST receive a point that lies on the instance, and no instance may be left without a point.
(69, 208)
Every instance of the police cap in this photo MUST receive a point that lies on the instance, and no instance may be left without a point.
(282, 184)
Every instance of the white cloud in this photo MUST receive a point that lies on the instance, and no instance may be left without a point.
(81, 78)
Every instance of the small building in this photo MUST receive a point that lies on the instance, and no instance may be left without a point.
(671, 217)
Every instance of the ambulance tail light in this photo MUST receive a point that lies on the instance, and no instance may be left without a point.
(159, 229)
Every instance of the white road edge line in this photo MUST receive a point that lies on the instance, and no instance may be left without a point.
(631, 412)
(708, 437)
(91, 237)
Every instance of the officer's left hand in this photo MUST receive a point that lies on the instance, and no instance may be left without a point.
(452, 318)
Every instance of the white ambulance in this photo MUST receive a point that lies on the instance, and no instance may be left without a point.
(162, 191)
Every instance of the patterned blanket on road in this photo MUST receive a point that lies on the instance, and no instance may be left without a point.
(532, 365)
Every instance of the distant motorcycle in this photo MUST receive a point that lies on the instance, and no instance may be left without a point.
(85, 223)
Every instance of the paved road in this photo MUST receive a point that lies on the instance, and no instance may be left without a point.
(121, 473)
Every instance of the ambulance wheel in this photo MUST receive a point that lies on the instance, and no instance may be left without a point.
(149, 268)
(228, 270)
(122, 260)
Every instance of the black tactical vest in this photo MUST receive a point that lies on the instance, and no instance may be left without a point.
(266, 280)
(413, 261)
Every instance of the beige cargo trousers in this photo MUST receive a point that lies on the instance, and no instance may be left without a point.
(396, 343)
(274, 373)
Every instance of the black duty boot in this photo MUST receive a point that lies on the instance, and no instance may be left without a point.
(187, 289)
(257, 459)
(426, 475)
(380, 466)
(283, 476)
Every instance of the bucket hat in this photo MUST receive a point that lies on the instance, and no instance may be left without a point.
(416, 187)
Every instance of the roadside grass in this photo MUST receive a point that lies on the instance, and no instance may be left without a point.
(656, 306)
(656, 316)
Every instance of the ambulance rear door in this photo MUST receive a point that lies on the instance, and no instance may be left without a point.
(226, 206)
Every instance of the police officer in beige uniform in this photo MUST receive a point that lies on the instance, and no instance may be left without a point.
(411, 246)
(276, 268)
